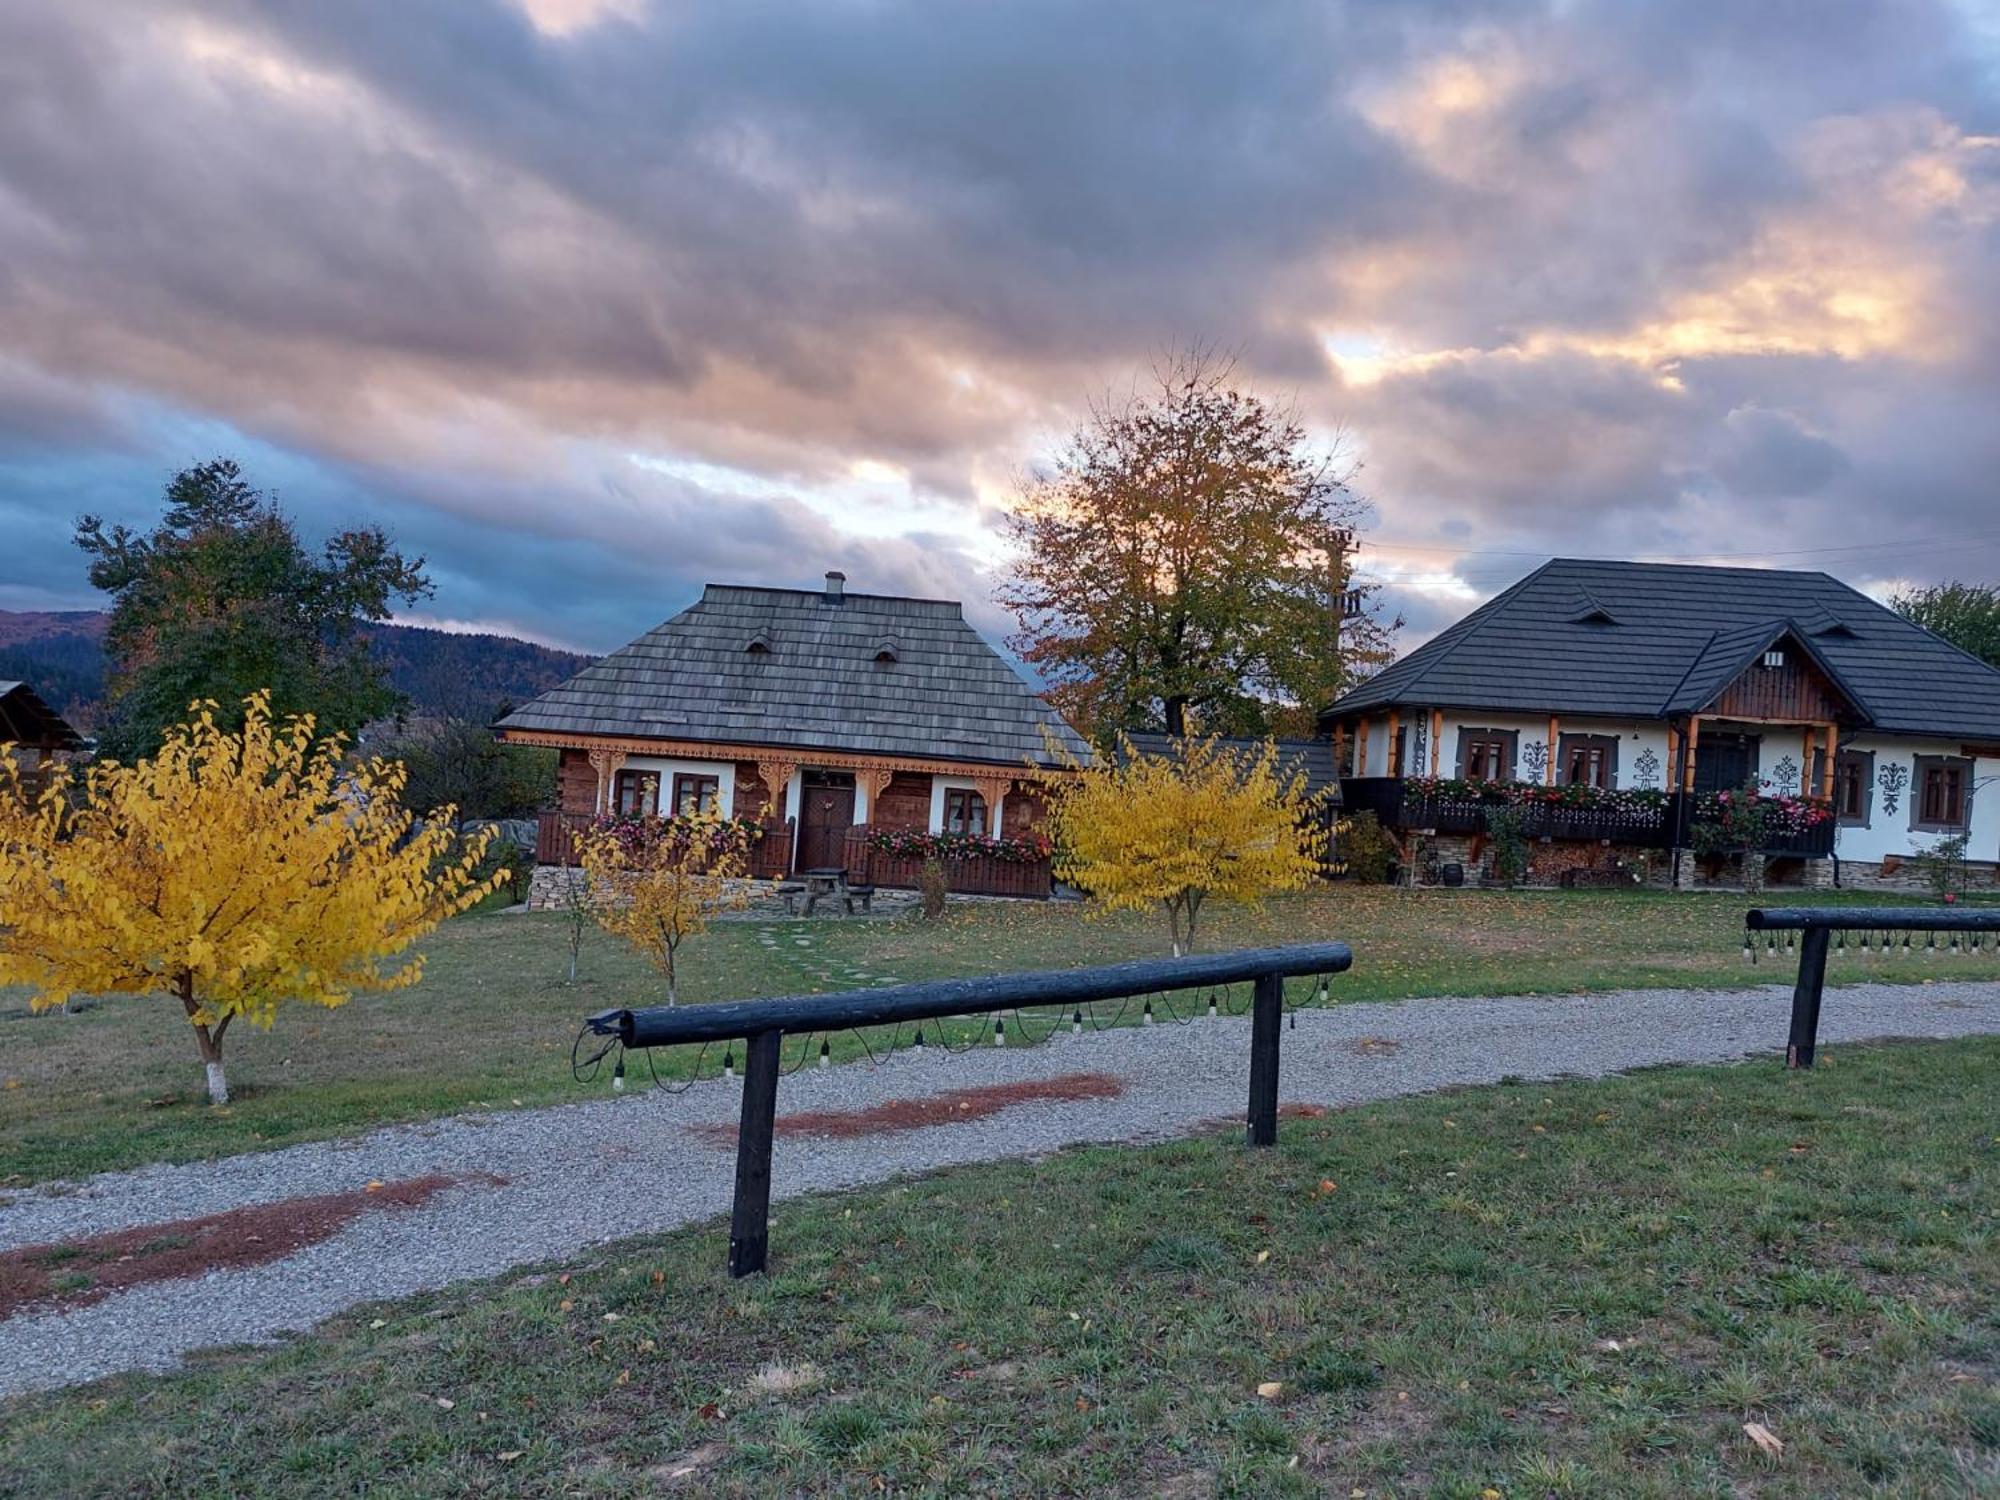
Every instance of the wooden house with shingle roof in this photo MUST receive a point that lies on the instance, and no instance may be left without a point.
(815, 712)
(1640, 689)
(35, 733)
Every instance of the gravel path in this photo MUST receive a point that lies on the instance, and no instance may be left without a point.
(582, 1174)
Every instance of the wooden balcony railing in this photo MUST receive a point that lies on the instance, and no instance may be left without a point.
(1403, 808)
(966, 877)
(556, 833)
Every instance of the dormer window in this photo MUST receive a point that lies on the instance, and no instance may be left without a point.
(886, 652)
(758, 646)
(1590, 612)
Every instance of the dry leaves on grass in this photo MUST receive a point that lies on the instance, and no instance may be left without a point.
(1764, 1438)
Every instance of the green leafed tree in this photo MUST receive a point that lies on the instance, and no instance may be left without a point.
(1966, 614)
(1187, 558)
(222, 600)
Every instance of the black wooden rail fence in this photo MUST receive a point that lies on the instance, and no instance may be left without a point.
(1963, 928)
(763, 1025)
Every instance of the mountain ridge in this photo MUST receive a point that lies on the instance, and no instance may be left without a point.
(60, 653)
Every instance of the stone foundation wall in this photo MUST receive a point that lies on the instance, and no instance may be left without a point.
(1906, 876)
(1548, 859)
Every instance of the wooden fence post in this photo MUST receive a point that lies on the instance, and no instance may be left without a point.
(750, 1218)
(1806, 993)
(1267, 1011)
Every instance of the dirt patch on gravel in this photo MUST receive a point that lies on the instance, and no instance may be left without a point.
(950, 1108)
(75, 1273)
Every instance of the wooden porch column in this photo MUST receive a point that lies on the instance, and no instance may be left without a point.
(991, 790)
(1826, 766)
(777, 778)
(1437, 738)
(607, 764)
(1395, 727)
(1805, 762)
(874, 780)
(1555, 739)
(1361, 747)
(1689, 752)
(1673, 777)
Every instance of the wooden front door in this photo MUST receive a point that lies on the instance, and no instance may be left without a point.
(826, 812)
(1724, 762)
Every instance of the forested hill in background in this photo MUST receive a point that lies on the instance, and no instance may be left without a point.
(61, 655)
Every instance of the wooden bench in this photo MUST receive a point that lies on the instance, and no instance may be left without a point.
(791, 892)
(865, 894)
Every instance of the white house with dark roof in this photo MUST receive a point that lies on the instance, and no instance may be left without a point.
(822, 715)
(1662, 686)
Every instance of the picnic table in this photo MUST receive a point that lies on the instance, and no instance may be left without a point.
(827, 881)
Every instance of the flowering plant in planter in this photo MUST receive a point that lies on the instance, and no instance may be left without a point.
(641, 838)
(1638, 799)
(1750, 809)
(1026, 849)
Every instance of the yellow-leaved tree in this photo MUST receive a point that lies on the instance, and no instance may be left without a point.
(1206, 822)
(659, 881)
(230, 871)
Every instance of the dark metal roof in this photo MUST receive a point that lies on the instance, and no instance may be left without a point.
(1681, 635)
(816, 682)
(25, 719)
(1311, 759)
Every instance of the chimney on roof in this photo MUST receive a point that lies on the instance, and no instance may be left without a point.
(836, 586)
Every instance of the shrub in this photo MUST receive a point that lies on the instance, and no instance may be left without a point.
(1367, 848)
(1943, 864)
(933, 884)
(514, 866)
(1510, 845)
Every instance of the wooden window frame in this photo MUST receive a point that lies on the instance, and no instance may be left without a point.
(641, 781)
(1861, 765)
(1607, 743)
(968, 798)
(1509, 741)
(711, 794)
(1925, 764)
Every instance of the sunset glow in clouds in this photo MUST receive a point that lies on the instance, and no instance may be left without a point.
(592, 300)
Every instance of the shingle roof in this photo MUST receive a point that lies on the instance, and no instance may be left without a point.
(23, 713)
(1682, 634)
(816, 684)
(1312, 759)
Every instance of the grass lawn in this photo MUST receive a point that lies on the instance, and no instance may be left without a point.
(491, 1024)
(1580, 1289)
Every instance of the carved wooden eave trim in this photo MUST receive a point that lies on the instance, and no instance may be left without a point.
(857, 761)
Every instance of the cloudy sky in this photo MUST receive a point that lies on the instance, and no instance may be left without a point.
(592, 300)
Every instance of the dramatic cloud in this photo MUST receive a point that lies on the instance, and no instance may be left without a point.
(591, 300)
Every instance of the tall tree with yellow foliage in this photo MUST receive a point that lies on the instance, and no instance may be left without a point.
(1208, 822)
(660, 881)
(232, 871)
